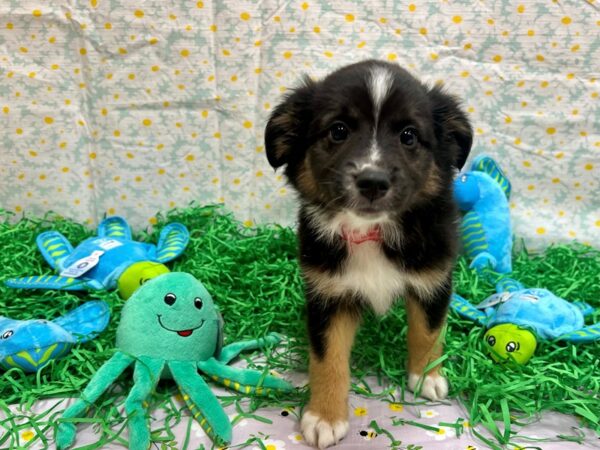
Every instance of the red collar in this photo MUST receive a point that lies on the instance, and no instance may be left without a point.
(354, 237)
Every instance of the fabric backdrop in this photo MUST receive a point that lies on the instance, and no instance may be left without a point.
(133, 107)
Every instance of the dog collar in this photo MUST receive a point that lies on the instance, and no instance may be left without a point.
(354, 237)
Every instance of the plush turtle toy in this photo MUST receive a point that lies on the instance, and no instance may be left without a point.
(170, 327)
(31, 344)
(516, 317)
(482, 195)
(111, 259)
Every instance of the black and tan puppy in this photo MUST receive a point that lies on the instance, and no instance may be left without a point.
(372, 153)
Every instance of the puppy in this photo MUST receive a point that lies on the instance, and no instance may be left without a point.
(372, 153)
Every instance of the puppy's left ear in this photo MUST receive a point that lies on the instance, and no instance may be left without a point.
(287, 126)
(452, 126)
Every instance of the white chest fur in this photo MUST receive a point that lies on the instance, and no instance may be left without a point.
(367, 271)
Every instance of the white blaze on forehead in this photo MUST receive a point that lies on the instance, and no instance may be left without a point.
(380, 83)
(374, 151)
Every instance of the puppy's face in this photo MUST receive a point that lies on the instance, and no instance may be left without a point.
(369, 138)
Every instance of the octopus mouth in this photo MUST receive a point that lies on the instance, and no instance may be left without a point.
(183, 333)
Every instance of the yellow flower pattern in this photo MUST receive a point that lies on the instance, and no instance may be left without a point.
(116, 106)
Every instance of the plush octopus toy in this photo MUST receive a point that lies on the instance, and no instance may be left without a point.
(112, 259)
(171, 328)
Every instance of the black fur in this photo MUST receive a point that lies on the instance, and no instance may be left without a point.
(419, 202)
(319, 312)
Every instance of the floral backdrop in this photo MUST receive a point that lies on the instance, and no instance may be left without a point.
(134, 107)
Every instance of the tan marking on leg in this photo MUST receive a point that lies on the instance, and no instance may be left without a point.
(329, 377)
(424, 344)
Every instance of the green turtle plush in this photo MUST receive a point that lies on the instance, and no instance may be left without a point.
(170, 327)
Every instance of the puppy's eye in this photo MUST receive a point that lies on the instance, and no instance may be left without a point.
(409, 137)
(338, 132)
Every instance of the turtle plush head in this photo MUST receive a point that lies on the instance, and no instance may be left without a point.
(171, 317)
(136, 275)
(510, 341)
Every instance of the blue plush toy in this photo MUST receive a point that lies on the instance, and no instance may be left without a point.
(111, 259)
(482, 194)
(516, 316)
(30, 344)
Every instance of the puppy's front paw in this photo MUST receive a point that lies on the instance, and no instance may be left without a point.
(320, 432)
(434, 387)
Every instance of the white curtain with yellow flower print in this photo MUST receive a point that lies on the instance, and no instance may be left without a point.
(133, 107)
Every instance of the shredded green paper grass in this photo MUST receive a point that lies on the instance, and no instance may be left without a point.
(253, 276)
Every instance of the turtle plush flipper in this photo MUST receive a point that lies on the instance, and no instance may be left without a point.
(50, 282)
(585, 308)
(465, 309)
(115, 227)
(86, 321)
(172, 242)
(484, 163)
(483, 260)
(54, 247)
(509, 285)
(586, 334)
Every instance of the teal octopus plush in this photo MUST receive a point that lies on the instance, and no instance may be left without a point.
(32, 344)
(111, 259)
(170, 327)
(482, 194)
(516, 317)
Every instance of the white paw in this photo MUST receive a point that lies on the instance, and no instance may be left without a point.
(319, 432)
(434, 387)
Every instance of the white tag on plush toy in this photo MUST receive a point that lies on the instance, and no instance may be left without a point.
(494, 300)
(82, 265)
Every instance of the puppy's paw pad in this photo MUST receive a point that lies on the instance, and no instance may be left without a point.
(434, 387)
(320, 432)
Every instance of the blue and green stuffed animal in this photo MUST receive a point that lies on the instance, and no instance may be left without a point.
(107, 261)
(32, 344)
(516, 317)
(482, 194)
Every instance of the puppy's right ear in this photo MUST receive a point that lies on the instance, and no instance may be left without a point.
(288, 125)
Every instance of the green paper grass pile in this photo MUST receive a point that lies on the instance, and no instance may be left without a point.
(253, 276)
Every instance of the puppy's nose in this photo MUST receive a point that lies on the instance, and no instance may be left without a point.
(372, 184)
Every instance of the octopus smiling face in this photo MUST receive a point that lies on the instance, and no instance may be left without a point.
(172, 314)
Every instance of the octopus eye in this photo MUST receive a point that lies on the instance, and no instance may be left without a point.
(170, 299)
(7, 334)
(198, 302)
(491, 340)
(511, 347)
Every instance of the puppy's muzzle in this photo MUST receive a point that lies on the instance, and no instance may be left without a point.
(373, 184)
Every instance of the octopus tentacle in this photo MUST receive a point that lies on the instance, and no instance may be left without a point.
(145, 378)
(231, 351)
(106, 375)
(202, 402)
(245, 381)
